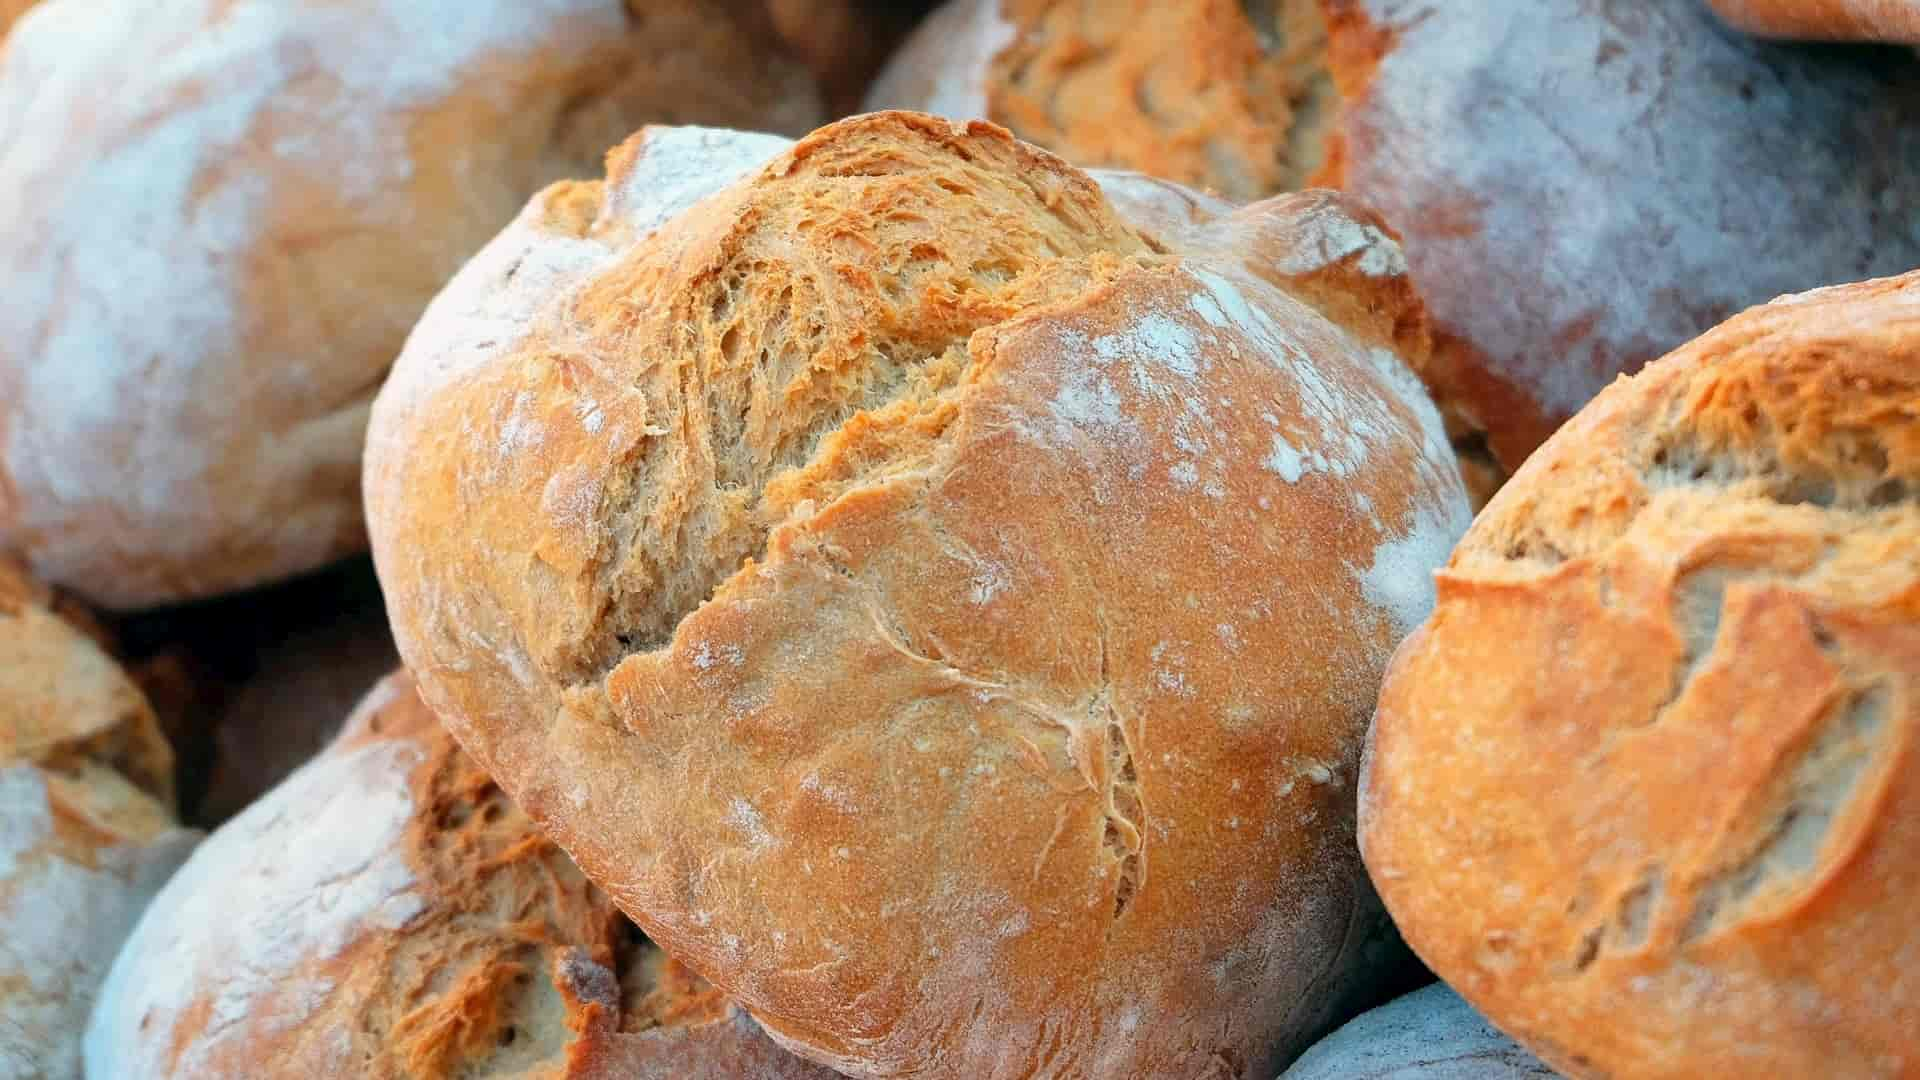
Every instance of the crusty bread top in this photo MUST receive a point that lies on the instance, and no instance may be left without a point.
(775, 548)
(1217, 94)
(389, 914)
(1826, 20)
(1429, 1034)
(212, 266)
(1644, 788)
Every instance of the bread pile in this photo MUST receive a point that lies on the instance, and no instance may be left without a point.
(536, 544)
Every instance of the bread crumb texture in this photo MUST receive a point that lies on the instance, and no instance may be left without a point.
(1644, 787)
(86, 825)
(211, 268)
(940, 608)
(1429, 1034)
(388, 913)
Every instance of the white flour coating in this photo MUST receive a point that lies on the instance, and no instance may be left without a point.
(1158, 206)
(1430, 1034)
(61, 923)
(294, 879)
(125, 277)
(1334, 236)
(679, 167)
(943, 67)
(1400, 580)
(1586, 185)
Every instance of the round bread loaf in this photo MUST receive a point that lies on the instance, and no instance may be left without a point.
(86, 826)
(938, 603)
(388, 913)
(1644, 787)
(1826, 20)
(220, 217)
(1429, 1034)
(1581, 187)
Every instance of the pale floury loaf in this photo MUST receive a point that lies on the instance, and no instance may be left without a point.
(388, 914)
(939, 594)
(1644, 787)
(220, 218)
(87, 832)
(1429, 1034)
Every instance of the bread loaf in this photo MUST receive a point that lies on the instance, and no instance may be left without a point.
(387, 913)
(1644, 788)
(1429, 1034)
(86, 827)
(1826, 20)
(220, 218)
(1581, 186)
(940, 606)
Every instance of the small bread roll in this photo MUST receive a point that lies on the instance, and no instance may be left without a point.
(938, 597)
(218, 218)
(1826, 20)
(1644, 788)
(1429, 1034)
(387, 913)
(87, 832)
(1580, 190)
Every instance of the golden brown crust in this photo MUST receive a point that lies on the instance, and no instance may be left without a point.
(1644, 788)
(1825, 20)
(11, 10)
(1216, 94)
(904, 494)
(389, 913)
(234, 245)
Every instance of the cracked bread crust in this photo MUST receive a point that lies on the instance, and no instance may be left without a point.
(213, 267)
(1825, 20)
(1225, 95)
(87, 831)
(389, 913)
(940, 608)
(1644, 787)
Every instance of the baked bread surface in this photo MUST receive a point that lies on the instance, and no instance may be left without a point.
(388, 913)
(940, 608)
(1644, 787)
(223, 217)
(87, 831)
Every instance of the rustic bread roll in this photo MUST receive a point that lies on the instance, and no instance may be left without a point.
(211, 266)
(1644, 787)
(1825, 20)
(1581, 189)
(387, 912)
(86, 826)
(942, 609)
(1429, 1034)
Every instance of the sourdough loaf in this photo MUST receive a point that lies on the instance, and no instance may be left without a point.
(1826, 20)
(220, 218)
(939, 600)
(387, 913)
(1582, 185)
(86, 826)
(1644, 787)
(1429, 1034)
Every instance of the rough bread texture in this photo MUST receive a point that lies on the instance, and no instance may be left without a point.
(211, 268)
(86, 826)
(1219, 94)
(1582, 185)
(942, 608)
(1644, 787)
(388, 913)
(1825, 20)
(1429, 1034)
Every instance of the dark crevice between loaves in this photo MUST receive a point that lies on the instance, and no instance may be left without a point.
(1811, 793)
